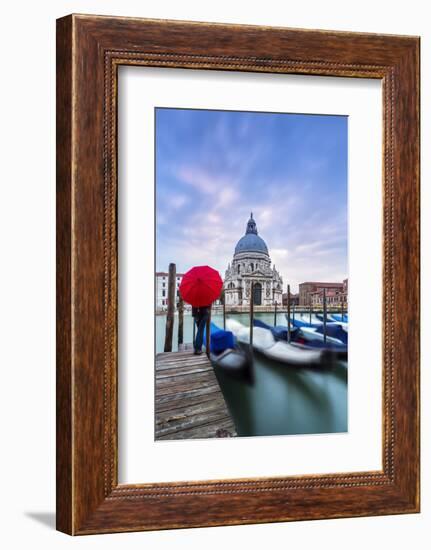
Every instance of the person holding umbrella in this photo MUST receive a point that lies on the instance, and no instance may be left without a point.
(199, 287)
(200, 315)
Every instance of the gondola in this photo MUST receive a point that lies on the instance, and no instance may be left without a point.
(334, 330)
(281, 351)
(336, 337)
(310, 337)
(227, 356)
(305, 320)
(330, 319)
(279, 332)
(344, 318)
(312, 333)
(298, 323)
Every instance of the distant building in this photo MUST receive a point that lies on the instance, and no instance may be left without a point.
(251, 263)
(311, 293)
(162, 289)
(334, 298)
(294, 299)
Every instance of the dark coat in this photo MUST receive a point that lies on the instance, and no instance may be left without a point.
(200, 312)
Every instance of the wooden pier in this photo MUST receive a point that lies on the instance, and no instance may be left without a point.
(189, 402)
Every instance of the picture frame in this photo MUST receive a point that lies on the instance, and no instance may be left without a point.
(89, 51)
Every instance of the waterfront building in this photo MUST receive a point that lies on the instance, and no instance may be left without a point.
(311, 293)
(346, 286)
(162, 289)
(252, 263)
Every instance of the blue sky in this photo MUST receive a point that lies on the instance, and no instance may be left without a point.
(214, 167)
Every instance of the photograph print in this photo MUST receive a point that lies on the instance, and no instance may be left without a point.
(251, 280)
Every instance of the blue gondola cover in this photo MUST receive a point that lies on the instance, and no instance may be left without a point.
(297, 323)
(279, 331)
(222, 340)
(334, 331)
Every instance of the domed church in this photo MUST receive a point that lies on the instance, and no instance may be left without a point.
(251, 262)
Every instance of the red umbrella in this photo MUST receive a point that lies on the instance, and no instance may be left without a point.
(200, 286)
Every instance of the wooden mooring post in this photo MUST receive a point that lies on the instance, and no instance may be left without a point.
(180, 321)
(275, 314)
(194, 330)
(171, 307)
(208, 334)
(251, 314)
(324, 315)
(288, 313)
(224, 310)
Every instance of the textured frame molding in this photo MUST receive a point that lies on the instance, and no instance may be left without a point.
(89, 51)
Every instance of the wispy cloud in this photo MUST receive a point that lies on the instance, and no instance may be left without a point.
(175, 201)
(215, 167)
(199, 179)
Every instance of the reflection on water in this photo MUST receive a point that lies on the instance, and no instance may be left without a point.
(283, 400)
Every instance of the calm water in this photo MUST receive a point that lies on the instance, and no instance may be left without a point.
(283, 400)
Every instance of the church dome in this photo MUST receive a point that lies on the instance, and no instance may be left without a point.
(251, 242)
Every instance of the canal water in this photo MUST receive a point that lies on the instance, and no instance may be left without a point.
(283, 400)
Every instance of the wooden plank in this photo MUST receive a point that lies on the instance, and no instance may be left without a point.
(189, 402)
(187, 411)
(183, 372)
(180, 424)
(166, 369)
(184, 384)
(186, 395)
(179, 356)
(179, 402)
(172, 389)
(177, 379)
(179, 363)
(201, 432)
(163, 365)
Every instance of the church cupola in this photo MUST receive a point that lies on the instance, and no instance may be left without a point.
(251, 242)
(251, 226)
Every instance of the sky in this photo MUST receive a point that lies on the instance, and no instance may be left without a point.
(215, 167)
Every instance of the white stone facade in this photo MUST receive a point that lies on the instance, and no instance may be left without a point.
(251, 263)
(162, 289)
